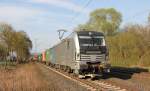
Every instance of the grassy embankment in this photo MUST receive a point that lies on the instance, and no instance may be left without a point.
(23, 77)
(130, 48)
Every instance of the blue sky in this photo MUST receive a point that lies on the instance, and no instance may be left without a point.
(42, 18)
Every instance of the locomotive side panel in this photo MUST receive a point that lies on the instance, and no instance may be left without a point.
(63, 53)
(71, 52)
(60, 54)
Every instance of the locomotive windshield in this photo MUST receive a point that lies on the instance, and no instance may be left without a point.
(91, 42)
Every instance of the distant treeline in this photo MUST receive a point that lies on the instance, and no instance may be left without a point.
(14, 45)
(128, 46)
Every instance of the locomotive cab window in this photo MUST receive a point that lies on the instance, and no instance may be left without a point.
(90, 41)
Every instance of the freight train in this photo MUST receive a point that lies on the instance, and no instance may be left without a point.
(83, 52)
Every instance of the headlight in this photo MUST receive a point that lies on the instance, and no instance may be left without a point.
(106, 58)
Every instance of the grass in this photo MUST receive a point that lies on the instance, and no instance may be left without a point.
(7, 65)
(24, 77)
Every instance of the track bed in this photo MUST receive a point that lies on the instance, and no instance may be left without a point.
(39, 77)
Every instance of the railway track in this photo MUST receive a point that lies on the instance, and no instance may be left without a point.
(91, 85)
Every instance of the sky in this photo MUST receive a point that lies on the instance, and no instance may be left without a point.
(41, 19)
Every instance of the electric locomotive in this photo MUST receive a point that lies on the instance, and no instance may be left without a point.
(83, 52)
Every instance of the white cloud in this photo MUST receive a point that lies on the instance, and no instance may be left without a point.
(66, 4)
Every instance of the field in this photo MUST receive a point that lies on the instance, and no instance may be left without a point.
(32, 77)
(23, 78)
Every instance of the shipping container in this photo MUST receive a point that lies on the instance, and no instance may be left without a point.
(48, 56)
(40, 57)
(35, 57)
(44, 57)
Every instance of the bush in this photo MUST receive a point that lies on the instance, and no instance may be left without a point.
(130, 47)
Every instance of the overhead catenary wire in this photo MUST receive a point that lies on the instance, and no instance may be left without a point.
(77, 14)
(72, 19)
(84, 7)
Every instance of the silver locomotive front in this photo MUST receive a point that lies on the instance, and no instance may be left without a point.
(91, 54)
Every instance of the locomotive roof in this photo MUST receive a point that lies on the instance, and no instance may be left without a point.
(81, 33)
(94, 33)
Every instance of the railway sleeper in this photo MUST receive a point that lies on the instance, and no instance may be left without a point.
(94, 72)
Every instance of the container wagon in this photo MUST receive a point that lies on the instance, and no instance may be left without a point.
(43, 57)
(35, 57)
(39, 57)
(83, 53)
(47, 57)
